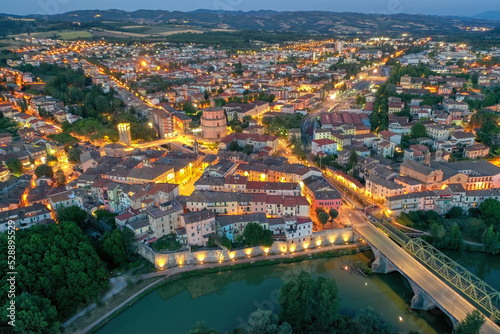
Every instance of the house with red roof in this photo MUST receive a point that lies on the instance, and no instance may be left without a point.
(326, 146)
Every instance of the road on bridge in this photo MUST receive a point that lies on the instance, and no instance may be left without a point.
(440, 291)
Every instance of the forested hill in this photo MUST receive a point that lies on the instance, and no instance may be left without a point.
(317, 22)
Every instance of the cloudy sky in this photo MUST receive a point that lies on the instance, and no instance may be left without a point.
(439, 7)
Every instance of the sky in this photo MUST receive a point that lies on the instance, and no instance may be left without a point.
(431, 7)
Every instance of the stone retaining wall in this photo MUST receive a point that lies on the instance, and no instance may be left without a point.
(186, 257)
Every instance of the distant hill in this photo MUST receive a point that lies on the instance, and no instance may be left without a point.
(490, 15)
(262, 25)
(311, 22)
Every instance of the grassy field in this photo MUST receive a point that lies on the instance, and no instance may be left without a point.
(74, 34)
(7, 44)
(60, 34)
(144, 32)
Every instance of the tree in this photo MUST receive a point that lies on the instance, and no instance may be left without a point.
(64, 138)
(255, 234)
(34, 314)
(74, 155)
(490, 211)
(201, 327)
(265, 322)
(51, 160)
(491, 240)
(72, 214)
(455, 212)
(130, 242)
(248, 149)
(323, 217)
(418, 130)
(325, 303)
(14, 165)
(57, 262)
(333, 214)
(374, 120)
(60, 178)
(233, 146)
(44, 171)
(367, 321)
(224, 241)
(437, 234)
(309, 306)
(471, 324)
(454, 237)
(189, 108)
(113, 246)
(353, 160)
(295, 300)
(360, 99)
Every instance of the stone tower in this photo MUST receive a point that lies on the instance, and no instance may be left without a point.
(124, 131)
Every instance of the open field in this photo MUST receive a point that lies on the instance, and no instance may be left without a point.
(7, 44)
(74, 34)
(61, 34)
(143, 31)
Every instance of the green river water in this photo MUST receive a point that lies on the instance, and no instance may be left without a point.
(224, 300)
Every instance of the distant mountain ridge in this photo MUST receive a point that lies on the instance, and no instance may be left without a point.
(310, 22)
(489, 15)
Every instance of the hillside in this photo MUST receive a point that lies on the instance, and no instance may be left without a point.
(490, 15)
(311, 22)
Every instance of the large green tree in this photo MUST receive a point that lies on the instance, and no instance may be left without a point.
(113, 245)
(255, 234)
(455, 212)
(74, 155)
(309, 306)
(325, 303)
(367, 321)
(295, 301)
(491, 240)
(323, 217)
(490, 211)
(437, 234)
(454, 238)
(471, 324)
(56, 262)
(333, 214)
(201, 327)
(44, 171)
(265, 322)
(418, 130)
(353, 160)
(34, 314)
(14, 165)
(60, 177)
(72, 214)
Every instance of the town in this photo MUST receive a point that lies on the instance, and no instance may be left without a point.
(199, 155)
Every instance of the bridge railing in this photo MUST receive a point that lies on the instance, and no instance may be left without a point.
(395, 234)
(472, 286)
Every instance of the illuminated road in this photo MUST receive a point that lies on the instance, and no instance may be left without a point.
(443, 294)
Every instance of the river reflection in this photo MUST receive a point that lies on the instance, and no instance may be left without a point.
(224, 300)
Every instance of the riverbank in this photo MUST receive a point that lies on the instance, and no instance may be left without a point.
(100, 315)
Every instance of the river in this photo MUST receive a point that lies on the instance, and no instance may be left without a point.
(224, 300)
(484, 266)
